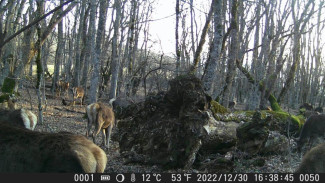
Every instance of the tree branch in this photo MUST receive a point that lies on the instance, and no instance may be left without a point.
(33, 23)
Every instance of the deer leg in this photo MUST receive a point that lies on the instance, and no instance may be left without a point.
(108, 134)
(98, 127)
(104, 134)
(89, 125)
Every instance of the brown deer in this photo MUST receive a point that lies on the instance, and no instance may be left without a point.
(314, 127)
(22, 150)
(19, 117)
(313, 161)
(62, 86)
(78, 92)
(104, 119)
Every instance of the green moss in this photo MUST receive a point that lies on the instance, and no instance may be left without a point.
(4, 97)
(278, 115)
(8, 85)
(283, 116)
(300, 119)
(302, 111)
(251, 113)
(274, 104)
(218, 108)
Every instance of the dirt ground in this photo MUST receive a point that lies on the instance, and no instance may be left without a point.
(68, 118)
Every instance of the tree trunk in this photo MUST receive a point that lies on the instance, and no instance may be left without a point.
(115, 56)
(77, 67)
(232, 55)
(58, 55)
(40, 73)
(202, 41)
(215, 48)
(178, 51)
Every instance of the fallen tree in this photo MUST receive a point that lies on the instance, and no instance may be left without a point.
(167, 128)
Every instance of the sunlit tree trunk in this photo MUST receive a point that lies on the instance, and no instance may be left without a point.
(58, 55)
(77, 66)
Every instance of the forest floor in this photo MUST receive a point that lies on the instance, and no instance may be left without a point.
(58, 117)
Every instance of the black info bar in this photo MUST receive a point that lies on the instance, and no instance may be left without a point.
(158, 177)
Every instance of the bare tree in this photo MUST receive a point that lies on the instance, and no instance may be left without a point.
(215, 48)
(94, 58)
(58, 54)
(115, 57)
(97, 50)
(233, 53)
(299, 27)
(77, 67)
(178, 52)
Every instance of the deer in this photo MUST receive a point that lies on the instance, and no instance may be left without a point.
(319, 109)
(313, 161)
(23, 150)
(103, 117)
(232, 104)
(19, 117)
(306, 106)
(314, 127)
(62, 86)
(78, 92)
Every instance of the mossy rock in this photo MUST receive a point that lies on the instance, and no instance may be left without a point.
(217, 108)
(279, 120)
(4, 98)
(253, 135)
(299, 119)
(8, 85)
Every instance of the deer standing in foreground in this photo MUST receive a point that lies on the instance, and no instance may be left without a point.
(22, 150)
(314, 127)
(103, 117)
(313, 161)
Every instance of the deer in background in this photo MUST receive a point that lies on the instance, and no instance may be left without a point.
(22, 150)
(103, 117)
(8, 104)
(314, 127)
(62, 86)
(19, 117)
(232, 104)
(78, 92)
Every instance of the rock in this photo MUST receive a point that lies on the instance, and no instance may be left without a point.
(119, 106)
(221, 136)
(218, 165)
(275, 144)
(167, 129)
(253, 135)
